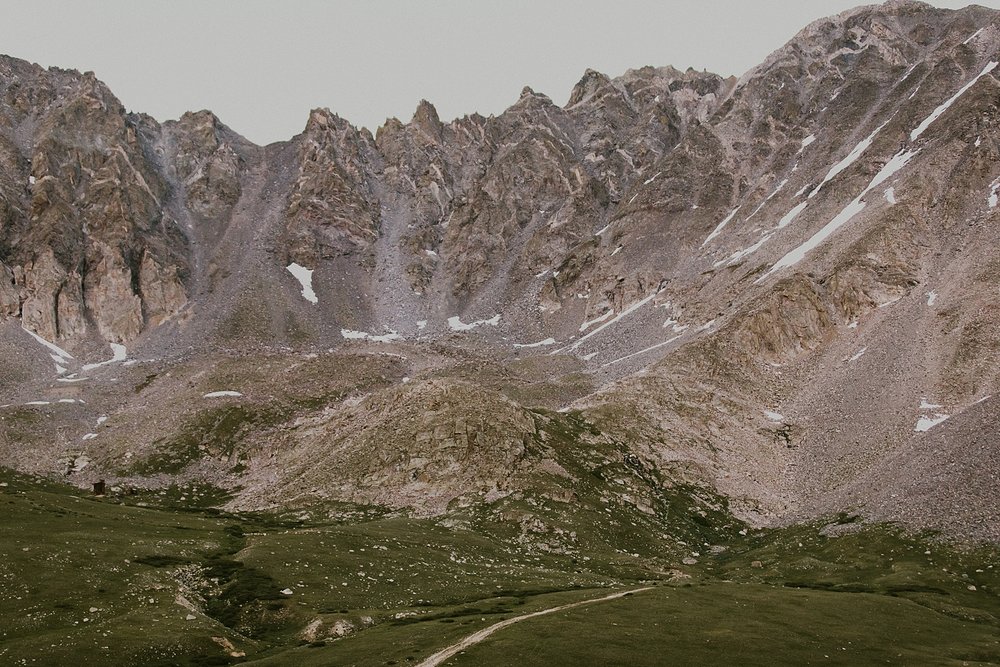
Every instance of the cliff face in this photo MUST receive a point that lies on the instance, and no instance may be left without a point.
(86, 237)
(812, 241)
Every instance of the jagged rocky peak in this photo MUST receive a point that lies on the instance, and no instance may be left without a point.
(587, 86)
(209, 161)
(92, 241)
(426, 119)
(332, 208)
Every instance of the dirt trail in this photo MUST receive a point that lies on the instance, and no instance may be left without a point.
(479, 636)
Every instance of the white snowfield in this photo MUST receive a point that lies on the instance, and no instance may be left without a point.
(951, 100)
(631, 309)
(791, 215)
(925, 422)
(364, 335)
(456, 324)
(597, 320)
(60, 356)
(720, 227)
(223, 394)
(769, 197)
(640, 352)
(991, 199)
(55, 349)
(541, 343)
(851, 158)
(305, 278)
(745, 252)
(118, 354)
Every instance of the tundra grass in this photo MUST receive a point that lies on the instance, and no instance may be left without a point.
(167, 579)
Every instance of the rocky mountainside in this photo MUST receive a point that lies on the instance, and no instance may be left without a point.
(781, 288)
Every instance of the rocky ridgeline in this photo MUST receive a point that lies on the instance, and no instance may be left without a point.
(102, 208)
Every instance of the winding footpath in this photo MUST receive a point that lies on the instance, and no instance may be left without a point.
(479, 636)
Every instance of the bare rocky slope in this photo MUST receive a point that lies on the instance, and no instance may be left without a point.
(783, 288)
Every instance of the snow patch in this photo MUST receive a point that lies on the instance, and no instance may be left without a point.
(991, 200)
(223, 394)
(774, 416)
(541, 343)
(305, 278)
(616, 250)
(889, 302)
(740, 254)
(951, 100)
(890, 195)
(720, 226)
(364, 335)
(60, 356)
(118, 354)
(56, 350)
(597, 320)
(768, 198)
(973, 36)
(89, 436)
(857, 355)
(849, 160)
(631, 309)
(853, 325)
(791, 215)
(931, 298)
(643, 351)
(807, 141)
(898, 161)
(925, 424)
(456, 323)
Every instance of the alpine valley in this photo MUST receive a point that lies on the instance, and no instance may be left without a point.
(703, 370)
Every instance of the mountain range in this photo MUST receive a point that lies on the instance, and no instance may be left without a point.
(738, 304)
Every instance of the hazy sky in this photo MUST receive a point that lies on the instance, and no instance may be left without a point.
(262, 65)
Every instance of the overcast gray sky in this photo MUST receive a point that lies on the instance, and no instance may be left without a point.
(262, 65)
